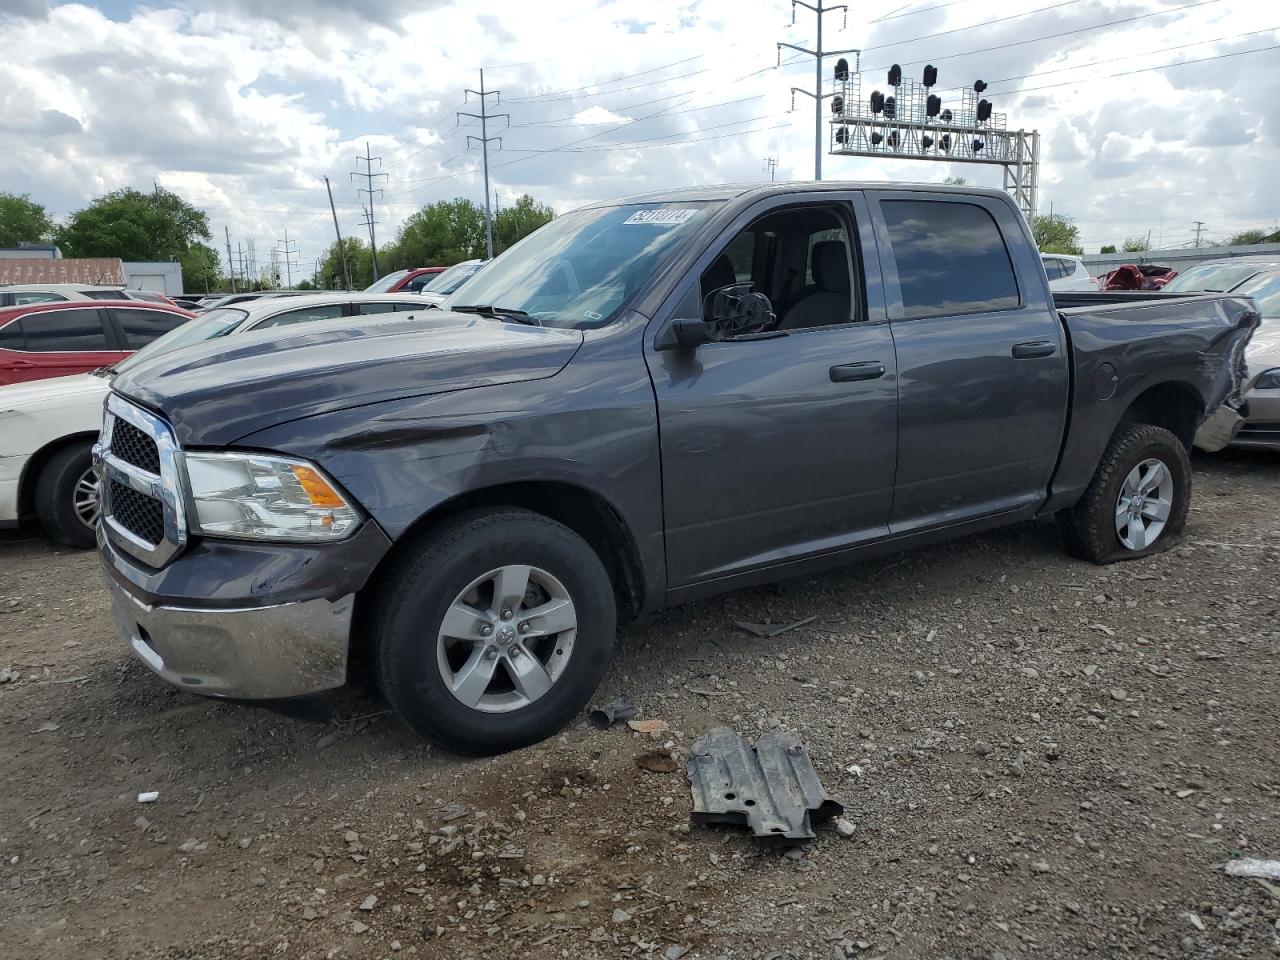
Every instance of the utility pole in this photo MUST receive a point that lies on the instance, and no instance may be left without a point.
(1199, 227)
(818, 54)
(369, 188)
(288, 259)
(342, 251)
(484, 116)
(240, 257)
(231, 264)
(772, 164)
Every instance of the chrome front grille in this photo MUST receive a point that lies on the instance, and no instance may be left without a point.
(137, 461)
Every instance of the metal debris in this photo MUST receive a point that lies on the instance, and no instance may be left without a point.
(771, 787)
(771, 630)
(615, 711)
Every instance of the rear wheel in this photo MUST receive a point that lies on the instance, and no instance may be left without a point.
(1137, 502)
(494, 633)
(66, 498)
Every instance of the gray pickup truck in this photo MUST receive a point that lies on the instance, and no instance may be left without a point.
(642, 403)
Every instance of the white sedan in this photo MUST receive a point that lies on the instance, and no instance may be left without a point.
(48, 427)
(1067, 273)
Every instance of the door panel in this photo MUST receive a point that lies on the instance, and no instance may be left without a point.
(56, 343)
(778, 448)
(982, 392)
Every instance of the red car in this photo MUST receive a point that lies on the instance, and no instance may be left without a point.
(42, 340)
(405, 281)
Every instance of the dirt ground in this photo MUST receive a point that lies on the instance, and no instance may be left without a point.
(1039, 758)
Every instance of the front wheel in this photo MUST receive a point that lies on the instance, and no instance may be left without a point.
(1137, 502)
(495, 632)
(67, 496)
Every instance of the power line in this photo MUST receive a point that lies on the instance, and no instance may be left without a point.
(976, 26)
(370, 189)
(289, 261)
(600, 83)
(484, 139)
(772, 164)
(897, 15)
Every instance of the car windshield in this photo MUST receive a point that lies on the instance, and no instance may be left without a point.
(1212, 277)
(1265, 291)
(581, 269)
(387, 282)
(452, 278)
(209, 325)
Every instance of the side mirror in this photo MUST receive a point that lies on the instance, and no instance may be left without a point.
(735, 310)
(686, 333)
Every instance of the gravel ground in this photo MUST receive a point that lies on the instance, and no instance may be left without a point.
(1038, 757)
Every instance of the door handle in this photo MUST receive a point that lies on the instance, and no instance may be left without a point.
(849, 372)
(18, 364)
(1034, 348)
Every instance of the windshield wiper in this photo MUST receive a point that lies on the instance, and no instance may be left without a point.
(498, 313)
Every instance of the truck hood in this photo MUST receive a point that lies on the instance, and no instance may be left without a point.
(53, 392)
(213, 394)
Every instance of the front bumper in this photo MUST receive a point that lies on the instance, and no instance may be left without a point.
(272, 652)
(10, 475)
(1262, 430)
(244, 620)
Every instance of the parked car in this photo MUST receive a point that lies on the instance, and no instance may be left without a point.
(52, 339)
(1219, 276)
(1138, 276)
(1261, 430)
(642, 403)
(1067, 273)
(446, 283)
(405, 281)
(47, 428)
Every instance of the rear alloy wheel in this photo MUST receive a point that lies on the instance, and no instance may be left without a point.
(493, 630)
(1137, 502)
(66, 497)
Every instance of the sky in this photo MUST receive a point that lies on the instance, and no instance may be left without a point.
(1153, 114)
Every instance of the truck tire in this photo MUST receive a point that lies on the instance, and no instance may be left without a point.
(494, 631)
(66, 497)
(1137, 502)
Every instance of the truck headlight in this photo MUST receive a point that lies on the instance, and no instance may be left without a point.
(260, 497)
(1269, 380)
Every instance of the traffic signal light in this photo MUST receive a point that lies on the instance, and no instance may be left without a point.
(979, 86)
(890, 107)
(984, 111)
(842, 69)
(933, 105)
(895, 76)
(930, 75)
(877, 101)
(837, 104)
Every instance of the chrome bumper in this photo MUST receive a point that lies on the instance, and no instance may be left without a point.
(1262, 430)
(252, 653)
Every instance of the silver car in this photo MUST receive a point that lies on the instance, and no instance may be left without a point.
(1220, 276)
(1261, 429)
(443, 284)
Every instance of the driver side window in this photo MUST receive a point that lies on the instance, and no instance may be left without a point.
(803, 259)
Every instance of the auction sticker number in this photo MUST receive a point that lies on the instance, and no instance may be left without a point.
(660, 217)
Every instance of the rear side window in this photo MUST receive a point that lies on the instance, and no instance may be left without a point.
(142, 326)
(105, 294)
(951, 258)
(11, 337)
(65, 330)
(417, 283)
(31, 296)
(302, 315)
(1053, 268)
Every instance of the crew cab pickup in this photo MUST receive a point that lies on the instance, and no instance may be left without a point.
(642, 403)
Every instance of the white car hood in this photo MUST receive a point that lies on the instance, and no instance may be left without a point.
(53, 392)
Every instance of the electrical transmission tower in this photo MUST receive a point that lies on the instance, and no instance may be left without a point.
(818, 54)
(289, 261)
(1199, 227)
(772, 164)
(370, 177)
(484, 116)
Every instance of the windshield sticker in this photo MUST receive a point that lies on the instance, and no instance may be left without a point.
(660, 217)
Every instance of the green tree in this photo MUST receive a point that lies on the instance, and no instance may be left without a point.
(304, 284)
(201, 268)
(955, 181)
(1135, 245)
(22, 220)
(1109, 248)
(1250, 237)
(440, 234)
(516, 222)
(1056, 233)
(359, 260)
(133, 225)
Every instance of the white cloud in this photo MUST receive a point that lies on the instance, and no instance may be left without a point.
(246, 106)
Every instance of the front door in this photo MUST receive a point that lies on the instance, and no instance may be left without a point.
(56, 343)
(982, 365)
(778, 442)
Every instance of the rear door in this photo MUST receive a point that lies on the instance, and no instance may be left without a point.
(982, 366)
(56, 343)
(778, 445)
(138, 326)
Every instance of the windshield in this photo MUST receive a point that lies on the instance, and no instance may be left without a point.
(387, 282)
(206, 326)
(452, 278)
(1265, 290)
(581, 269)
(1213, 277)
